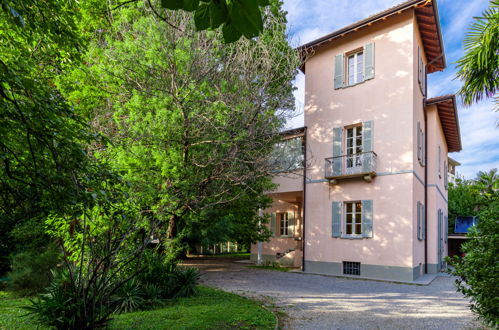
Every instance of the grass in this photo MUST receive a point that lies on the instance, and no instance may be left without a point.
(210, 309)
(12, 316)
(276, 268)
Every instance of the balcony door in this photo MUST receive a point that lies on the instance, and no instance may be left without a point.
(354, 150)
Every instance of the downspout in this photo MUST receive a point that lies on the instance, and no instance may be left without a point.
(425, 180)
(304, 197)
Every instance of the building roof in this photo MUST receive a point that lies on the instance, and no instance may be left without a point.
(429, 27)
(446, 106)
(453, 162)
(291, 133)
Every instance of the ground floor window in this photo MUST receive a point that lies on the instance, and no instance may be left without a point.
(283, 224)
(353, 218)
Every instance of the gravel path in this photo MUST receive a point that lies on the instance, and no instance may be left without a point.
(322, 302)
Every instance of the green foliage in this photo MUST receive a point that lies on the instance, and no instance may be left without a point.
(190, 120)
(478, 270)
(463, 200)
(210, 309)
(129, 297)
(479, 67)
(171, 280)
(31, 271)
(186, 280)
(237, 17)
(44, 166)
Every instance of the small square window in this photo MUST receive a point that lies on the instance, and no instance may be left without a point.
(351, 268)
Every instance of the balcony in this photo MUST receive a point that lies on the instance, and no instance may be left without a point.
(351, 166)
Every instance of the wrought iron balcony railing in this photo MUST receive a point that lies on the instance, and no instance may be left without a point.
(361, 164)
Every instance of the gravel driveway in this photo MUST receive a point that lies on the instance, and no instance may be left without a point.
(322, 302)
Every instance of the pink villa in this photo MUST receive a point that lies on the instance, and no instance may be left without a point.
(371, 201)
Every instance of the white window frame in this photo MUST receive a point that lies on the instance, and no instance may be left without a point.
(354, 54)
(354, 214)
(284, 228)
(356, 150)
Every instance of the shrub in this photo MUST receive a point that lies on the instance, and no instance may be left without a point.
(186, 280)
(129, 297)
(31, 271)
(173, 281)
(478, 270)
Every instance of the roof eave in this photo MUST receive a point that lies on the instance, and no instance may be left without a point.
(442, 99)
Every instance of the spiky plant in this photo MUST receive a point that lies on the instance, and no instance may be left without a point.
(479, 67)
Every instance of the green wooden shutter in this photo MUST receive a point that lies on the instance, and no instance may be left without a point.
(423, 146)
(419, 141)
(273, 221)
(338, 71)
(367, 218)
(369, 61)
(423, 77)
(419, 221)
(337, 149)
(291, 221)
(367, 146)
(336, 219)
(423, 222)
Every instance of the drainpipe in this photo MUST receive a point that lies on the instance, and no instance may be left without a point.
(304, 198)
(425, 181)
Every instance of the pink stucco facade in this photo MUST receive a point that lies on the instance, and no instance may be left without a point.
(393, 102)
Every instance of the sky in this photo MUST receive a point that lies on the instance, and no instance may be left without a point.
(311, 19)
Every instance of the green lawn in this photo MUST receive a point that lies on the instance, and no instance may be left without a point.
(210, 309)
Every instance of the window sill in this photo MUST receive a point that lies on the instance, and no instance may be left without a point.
(352, 237)
(353, 85)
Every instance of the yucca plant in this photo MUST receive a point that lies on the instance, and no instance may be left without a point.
(129, 298)
(479, 67)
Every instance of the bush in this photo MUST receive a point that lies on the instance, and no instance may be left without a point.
(478, 270)
(171, 280)
(129, 298)
(186, 280)
(31, 271)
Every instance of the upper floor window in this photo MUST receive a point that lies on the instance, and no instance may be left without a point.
(354, 67)
(353, 146)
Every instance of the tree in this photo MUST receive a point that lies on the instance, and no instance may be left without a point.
(191, 120)
(463, 200)
(479, 67)
(478, 270)
(44, 168)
